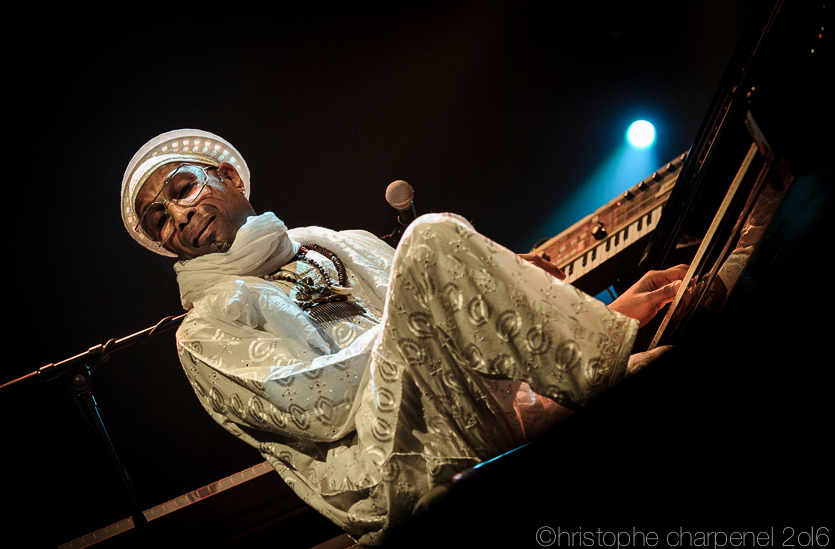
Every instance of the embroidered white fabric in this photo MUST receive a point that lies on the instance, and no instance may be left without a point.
(447, 368)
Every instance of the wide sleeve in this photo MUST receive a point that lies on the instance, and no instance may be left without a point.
(295, 406)
(275, 384)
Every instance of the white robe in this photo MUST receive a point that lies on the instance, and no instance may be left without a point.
(363, 416)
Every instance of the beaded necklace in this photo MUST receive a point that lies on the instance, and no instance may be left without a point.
(326, 302)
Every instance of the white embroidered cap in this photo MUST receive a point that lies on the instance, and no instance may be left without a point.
(187, 145)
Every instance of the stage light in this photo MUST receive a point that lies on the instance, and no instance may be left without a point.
(641, 134)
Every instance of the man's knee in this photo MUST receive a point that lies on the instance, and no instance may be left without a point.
(437, 227)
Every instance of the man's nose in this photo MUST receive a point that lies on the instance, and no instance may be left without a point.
(181, 215)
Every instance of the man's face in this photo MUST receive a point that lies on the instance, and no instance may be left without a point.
(210, 223)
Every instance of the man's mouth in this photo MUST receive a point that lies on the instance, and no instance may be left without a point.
(200, 229)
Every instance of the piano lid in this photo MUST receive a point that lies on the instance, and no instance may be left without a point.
(763, 130)
(776, 73)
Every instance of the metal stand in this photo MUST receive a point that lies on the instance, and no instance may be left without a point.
(78, 370)
(81, 382)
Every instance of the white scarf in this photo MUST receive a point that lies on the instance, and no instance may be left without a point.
(261, 247)
(227, 289)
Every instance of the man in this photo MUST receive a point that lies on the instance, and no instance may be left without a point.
(367, 375)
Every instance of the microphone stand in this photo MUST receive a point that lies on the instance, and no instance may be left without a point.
(394, 238)
(79, 371)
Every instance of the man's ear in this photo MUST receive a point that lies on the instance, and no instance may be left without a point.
(229, 173)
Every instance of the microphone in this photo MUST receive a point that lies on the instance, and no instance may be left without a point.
(399, 195)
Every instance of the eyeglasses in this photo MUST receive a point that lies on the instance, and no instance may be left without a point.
(181, 188)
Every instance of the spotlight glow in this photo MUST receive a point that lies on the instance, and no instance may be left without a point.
(641, 134)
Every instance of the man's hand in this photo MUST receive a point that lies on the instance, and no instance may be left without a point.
(647, 296)
(543, 264)
(640, 360)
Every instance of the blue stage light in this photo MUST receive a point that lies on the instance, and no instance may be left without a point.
(641, 134)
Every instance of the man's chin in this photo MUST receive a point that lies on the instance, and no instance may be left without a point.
(221, 246)
(217, 246)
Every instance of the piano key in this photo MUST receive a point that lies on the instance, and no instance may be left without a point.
(617, 244)
(605, 251)
(574, 270)
(655, 215)
(582, 265)
(640, 228)
(597, 256)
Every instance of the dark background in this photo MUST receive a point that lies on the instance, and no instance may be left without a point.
(497, 111)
